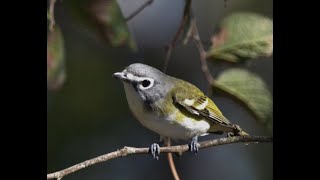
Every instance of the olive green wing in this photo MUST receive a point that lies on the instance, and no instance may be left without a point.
(192, 99)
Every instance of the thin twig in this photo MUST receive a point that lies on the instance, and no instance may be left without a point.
(171, 162)
(196, 39)
(186, 14)
(137, 11)
(132, 150)
(51, 13)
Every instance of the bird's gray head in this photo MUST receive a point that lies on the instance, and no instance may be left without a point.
(150, 83)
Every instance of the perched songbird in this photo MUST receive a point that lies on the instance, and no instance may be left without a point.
(172, 107)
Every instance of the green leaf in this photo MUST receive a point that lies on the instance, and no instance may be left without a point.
(250, 90)
(104, 17)
(55, 59)
(242, 36)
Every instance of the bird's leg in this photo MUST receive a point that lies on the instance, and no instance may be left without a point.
(194, 145)
(155, 148)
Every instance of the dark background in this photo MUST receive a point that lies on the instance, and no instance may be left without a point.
(89, 116)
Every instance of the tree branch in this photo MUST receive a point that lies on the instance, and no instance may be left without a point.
(137, 11)
(171, 162)
(51, 14)
(169, 48)
(172, 149)
(196, 39)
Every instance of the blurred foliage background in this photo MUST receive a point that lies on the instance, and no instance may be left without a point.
(88, 115)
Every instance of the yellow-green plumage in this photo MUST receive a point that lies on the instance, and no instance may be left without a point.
(211, 113)
(171, 107)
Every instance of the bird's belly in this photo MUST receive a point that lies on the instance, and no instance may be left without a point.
(184, 129)
(168, 126)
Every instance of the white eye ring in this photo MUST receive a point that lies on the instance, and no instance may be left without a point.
(146, 83)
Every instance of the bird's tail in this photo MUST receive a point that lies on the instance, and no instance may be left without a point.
(238, 131)
(243, 133)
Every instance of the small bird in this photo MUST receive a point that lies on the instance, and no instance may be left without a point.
(171, 107)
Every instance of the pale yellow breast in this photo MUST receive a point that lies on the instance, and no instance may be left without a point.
(175, 125)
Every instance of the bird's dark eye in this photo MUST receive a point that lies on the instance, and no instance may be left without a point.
(145, 83)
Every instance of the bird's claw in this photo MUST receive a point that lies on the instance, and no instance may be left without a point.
(155, 150)
(194, 146)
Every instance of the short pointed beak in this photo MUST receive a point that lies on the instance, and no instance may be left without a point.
(124, 76)
(119, 75)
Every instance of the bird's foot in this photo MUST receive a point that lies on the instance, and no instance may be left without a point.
(155, 150)
(194, 145)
